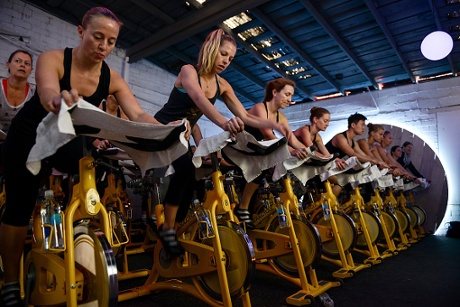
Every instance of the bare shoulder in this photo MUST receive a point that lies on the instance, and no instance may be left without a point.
(52, 55)
(256, 109)
(188, 68)
(361, 141)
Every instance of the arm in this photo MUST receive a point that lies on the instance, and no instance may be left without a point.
(341, 142)
(236, 107)
(128, 103)
(196, 134)
(48, 72)
(303, 133)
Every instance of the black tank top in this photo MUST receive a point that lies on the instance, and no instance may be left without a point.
(314, 140)
(104, 108)
(332, 149)
(180, 106)
(256, 131)
(30, 116)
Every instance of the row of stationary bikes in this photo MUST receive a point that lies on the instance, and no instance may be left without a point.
(221, 255)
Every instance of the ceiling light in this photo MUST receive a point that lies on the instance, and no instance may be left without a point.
(437, 45)
(237, 20)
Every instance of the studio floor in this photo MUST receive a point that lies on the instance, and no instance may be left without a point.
(426, 274)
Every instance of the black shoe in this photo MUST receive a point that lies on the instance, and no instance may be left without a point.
(169, 240)
(11, 296)
(244, 216)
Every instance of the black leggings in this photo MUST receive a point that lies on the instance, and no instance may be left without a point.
(182, 185)
(21, 185)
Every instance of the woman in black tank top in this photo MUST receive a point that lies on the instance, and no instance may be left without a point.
(278, 95)
(309, 135)
(60, 74)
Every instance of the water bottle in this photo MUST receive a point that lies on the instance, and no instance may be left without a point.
(326, 300)
(45, 214)
(57, 241)
(204, 223)
(301, 210)
(326, 209)
(281, 210)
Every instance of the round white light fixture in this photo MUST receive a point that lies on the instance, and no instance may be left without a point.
(437, 45)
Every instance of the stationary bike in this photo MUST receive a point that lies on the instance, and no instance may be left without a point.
(287, 252)
(84, 271)
(215, 268)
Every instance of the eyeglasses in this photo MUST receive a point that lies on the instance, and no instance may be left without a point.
(19, 61)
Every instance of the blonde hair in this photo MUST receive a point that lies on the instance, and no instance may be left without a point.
(374, 128)
(209, 50)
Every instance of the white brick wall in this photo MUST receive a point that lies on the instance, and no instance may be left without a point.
(412, 107)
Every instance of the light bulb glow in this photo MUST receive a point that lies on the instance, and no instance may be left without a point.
(437, 45)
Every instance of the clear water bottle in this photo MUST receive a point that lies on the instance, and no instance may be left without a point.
(45, 219)
(281, 210)
(326, 300)
(301, 210)
(57, 241)
(202, 217)
(326, 209)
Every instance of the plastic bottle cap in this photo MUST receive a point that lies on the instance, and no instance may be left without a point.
(49, 193)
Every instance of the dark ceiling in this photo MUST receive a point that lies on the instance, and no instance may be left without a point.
(325, 46)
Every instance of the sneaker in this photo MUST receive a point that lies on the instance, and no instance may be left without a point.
(169, 240)
(11, 295)
(244, 216)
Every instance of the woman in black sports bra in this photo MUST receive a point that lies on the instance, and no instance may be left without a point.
(60, 74)
(193, 95)
(278, 95)
(309, 134)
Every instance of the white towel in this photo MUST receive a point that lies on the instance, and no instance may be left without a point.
(298, 167)
(383, 182)
(410, 185)
(251, 165)
(352, 163)
(135, 138)
(363, 170)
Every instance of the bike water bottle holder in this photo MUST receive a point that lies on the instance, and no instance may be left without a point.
(119, 236)
(52, 231)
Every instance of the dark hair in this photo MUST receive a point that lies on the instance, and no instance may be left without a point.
(393, 149)
(277, 85)
(386, 133)
(98, 11)
(355, 118)
(407, 143)
(20, 51)
(317, 112)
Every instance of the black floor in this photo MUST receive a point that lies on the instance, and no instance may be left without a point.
(426, 274)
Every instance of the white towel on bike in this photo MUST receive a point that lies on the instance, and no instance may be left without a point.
(352, 163)
(251, 165)
(383, 182)
(355, 173)
(300, 169)
(137, 139)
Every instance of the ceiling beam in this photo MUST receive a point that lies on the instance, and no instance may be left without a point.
(389, 37)
(320, 19)
(207, 17)
(434, 10)
(261, 58)
(153, 10)
(272, 27)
